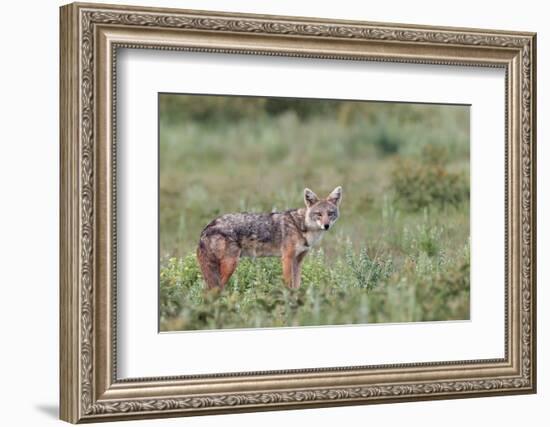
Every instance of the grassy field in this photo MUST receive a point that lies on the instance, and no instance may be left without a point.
(398, 253)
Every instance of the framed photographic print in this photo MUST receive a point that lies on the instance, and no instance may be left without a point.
(265, 212)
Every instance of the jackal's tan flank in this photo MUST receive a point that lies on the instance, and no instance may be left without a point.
(289, 235)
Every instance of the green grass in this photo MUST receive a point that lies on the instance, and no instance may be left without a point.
(398, 253)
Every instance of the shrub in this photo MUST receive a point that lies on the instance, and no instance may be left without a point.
(424, 237)
(178, 285)
(386, 142)
(434, 154)
(445, 294)
(417, 185)
(424, 288)
(366, 272)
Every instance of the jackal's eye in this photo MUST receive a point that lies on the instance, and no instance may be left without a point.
(331, 213)
(317, 214)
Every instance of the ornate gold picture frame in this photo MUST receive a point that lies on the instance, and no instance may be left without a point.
(90, 387)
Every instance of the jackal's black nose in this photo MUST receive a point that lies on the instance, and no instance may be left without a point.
(326, 226)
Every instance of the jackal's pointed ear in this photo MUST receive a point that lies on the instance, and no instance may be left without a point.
(336, 196)
(310, 197)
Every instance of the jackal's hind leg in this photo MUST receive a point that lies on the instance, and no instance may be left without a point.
(228, 264)
(209, 265)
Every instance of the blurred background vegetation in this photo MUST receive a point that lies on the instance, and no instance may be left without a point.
(400, 250)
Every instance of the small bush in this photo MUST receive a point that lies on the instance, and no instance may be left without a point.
(435, 154)
(446, 293)
(424, 288)
(386, 142)
(418, 186)
(424, 237)
(366, 272)
(178, 284)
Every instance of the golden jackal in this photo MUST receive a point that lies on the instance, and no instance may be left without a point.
(289, 234)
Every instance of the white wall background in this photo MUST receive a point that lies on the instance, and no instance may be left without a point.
(29, 171)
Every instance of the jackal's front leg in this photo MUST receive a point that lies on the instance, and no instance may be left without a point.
(298, 270)
(292, 269)
(287, 260)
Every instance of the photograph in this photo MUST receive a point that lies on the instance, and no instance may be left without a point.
(294, 212)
